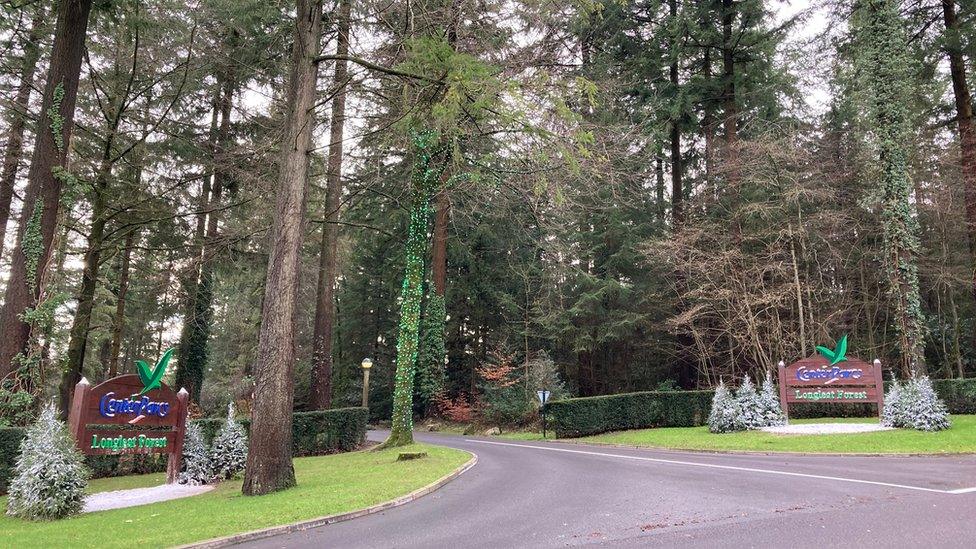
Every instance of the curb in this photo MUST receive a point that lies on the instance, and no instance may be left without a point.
(771, 453)
(331, 519)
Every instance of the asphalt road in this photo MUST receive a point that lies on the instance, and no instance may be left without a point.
(537, 494)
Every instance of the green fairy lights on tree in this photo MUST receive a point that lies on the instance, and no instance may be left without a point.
(428, 166)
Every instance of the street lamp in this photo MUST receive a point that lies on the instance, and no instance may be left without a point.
(367, 364)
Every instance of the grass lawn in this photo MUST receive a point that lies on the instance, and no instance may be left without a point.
(961, 438)
(326, 485)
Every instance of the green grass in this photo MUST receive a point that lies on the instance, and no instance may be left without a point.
(961, 438)
(326, 485)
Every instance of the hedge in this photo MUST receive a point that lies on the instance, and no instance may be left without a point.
(576, 417)
(313, 433)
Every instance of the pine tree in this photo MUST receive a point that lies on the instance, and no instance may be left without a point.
(229, 453)
(750, 408)
(724, 417)
(50, 475)
(769, 405)
(924, 410)
(893, 413)
(196, 458)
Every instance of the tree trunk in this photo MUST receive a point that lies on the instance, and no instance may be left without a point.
(78, 340)
(439, 253)
(190, 372)
(677, 191)
(325, 313)
(728, 93)
(269, 464)
(118, 322)
(964, 119)
(48, 167)
(18, 122)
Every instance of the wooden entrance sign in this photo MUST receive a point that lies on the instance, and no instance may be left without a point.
(814, 379)
(122, 416)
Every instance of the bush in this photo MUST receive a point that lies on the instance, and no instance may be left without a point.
(10, 438)
(51, 477)
(228, 454)
(328, 431)
(726, 413)
(196, 468)
(750, 408)
(893, 413)
(769, 405)
(575, 417)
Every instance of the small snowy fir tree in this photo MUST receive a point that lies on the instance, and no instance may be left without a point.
(229, 453)
(769, 406)
(924, 410)
(724, 417)
(50, 476)
(750, 409)
(196, 458)
(893, 412)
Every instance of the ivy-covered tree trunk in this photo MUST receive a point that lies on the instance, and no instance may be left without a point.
(884, 64)
(47, 173)
(269, 459)
(193, 363)
(431, 353)
(325, 313)
(18, 120)
(427, 171)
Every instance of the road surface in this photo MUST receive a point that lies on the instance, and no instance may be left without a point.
(544, 494)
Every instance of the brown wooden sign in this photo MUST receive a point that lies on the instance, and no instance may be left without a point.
(814, 379)
(154, 419)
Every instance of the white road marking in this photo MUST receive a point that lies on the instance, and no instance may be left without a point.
(730, 467)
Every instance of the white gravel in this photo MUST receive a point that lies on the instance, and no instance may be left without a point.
(826, 428)
(141, 496)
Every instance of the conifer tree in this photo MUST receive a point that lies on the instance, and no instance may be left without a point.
(196, 458)
(229, 453)
(724, 417)
(50, 476)
(751, 413)
(769, 406)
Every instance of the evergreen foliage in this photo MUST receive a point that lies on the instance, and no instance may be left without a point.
(725, 415)
(50, 476)
(915, 405)
(751, 409)
(196, 458)
(769, 407)
(893, 413)
(228, 453)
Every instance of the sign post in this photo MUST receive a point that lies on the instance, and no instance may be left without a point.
(817, 379)
(543, 398)
(130, 414)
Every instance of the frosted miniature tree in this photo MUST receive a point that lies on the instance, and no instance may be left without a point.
(893, 413)
(229, 453)
(50, 476)
(769, 405)
(196, 458)
(750, 408)
(924, 410)
(724, 417)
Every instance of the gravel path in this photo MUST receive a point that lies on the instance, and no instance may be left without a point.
(825, 428)
(141, 496)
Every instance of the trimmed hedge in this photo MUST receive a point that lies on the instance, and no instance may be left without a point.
(575, 417)
(313, 433)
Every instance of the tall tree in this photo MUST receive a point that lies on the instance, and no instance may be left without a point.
(321, 384)
(884, 62)
(48, 173)
(17, 116)
(269, 459)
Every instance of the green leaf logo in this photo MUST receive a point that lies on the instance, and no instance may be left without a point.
(151, 378)
(838, 354)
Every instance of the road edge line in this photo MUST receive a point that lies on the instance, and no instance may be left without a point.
(263, 533)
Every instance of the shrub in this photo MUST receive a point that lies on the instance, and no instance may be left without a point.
(457, 409)
(575, 417)
(328, 431)
(10, 439)
(196, 458)
(923, 408)
(893, 413)
(751, 413)
(51, 478)
(769, 405)
(726, 413)
(229, 452)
